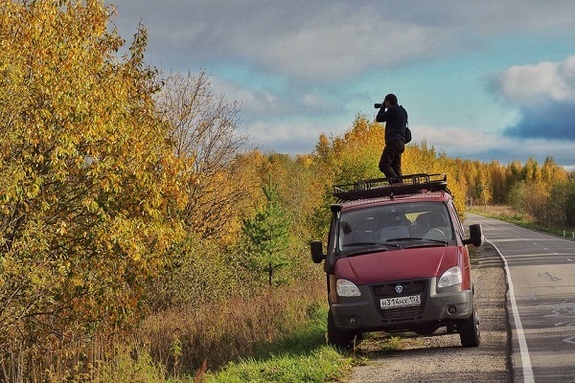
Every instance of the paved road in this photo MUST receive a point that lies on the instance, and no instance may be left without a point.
(541, 300)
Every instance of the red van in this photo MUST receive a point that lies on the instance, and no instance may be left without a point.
(397, 260)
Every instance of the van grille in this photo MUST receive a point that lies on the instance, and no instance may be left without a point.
(409, 288)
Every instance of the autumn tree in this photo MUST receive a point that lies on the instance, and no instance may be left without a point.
(356, 154)
(89, 185)
(204, 129)
(569, 209)
(552, 173)
(531, 172)
(557, 205)
(497, 175)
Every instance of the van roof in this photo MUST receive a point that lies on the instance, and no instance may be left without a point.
(441, 196)
(413, 184)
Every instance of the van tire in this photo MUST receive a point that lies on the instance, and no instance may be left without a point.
(468, 329)
(337, 338)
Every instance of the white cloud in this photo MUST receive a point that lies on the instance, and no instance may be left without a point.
(314, 40)
(325, 39)
(458, 142)
(290, 137)
(340, 43)
(544, 94)
(529, 85)
(268, 133)
(252, 101)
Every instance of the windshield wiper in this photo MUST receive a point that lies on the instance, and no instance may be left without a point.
(371, 244)
(401, 239)
(438, 241)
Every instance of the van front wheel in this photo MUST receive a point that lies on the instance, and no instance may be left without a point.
(337, 338)
(469, 330)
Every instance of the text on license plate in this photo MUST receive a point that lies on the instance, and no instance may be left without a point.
(393, 303)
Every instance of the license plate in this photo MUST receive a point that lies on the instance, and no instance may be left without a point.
(398, 302)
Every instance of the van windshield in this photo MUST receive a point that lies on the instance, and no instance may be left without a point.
(388, 225)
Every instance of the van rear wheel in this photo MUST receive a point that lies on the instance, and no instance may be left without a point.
(337, 338)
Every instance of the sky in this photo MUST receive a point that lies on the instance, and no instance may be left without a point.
(481, 80)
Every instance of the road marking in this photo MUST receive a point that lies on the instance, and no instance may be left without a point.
(570, 340)
(523, 350)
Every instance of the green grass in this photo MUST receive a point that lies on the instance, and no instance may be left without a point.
(506, 214)
(323, 364)
(302, 356)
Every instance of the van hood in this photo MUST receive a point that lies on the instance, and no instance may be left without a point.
(415, 263)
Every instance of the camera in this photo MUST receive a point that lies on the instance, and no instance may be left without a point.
(377, 106)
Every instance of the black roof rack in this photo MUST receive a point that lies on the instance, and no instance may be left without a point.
(384, 187)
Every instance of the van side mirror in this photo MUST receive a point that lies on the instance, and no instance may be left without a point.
(476, 237)
(317, 254)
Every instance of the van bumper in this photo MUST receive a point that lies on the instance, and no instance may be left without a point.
(364, 313)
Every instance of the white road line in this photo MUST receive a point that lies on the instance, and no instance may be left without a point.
(524, 351)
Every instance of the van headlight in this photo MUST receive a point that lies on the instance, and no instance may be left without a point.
(451, 277)
(347, 288)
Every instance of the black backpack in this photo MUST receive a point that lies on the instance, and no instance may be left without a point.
(407, 138)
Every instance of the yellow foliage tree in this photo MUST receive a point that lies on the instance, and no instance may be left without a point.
(89, 185)
(552, 173)
(356, 154)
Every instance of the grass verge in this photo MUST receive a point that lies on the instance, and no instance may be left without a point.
(507, 214)
(302, 356)
(323, 364)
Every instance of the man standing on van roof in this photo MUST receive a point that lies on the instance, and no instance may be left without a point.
(395, 118)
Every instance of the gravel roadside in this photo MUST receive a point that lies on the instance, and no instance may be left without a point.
(441, 358)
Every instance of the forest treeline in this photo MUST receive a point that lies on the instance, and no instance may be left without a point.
(138, 225)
